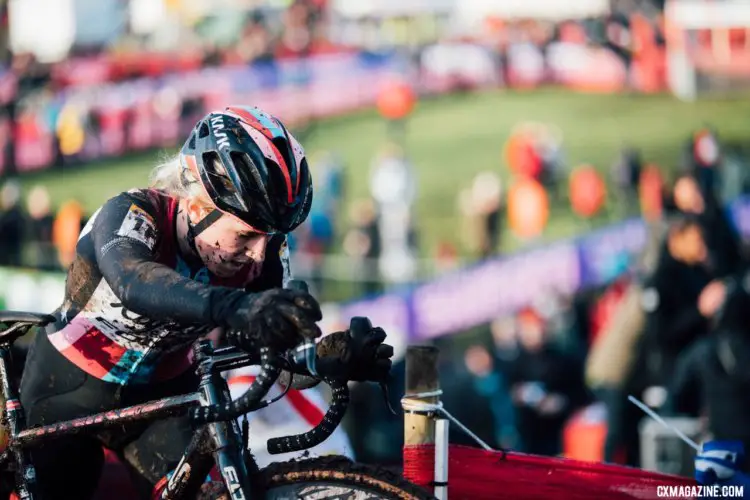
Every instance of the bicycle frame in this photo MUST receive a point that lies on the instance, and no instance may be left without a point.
(218, 443)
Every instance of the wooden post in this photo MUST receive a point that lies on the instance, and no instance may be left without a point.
(421, 377)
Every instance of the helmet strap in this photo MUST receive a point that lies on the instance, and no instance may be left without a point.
(194, 230)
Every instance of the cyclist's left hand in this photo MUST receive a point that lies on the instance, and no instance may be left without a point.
(357, 354)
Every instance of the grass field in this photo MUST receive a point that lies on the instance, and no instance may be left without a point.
(451, 138)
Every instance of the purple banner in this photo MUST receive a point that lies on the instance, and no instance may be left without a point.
(480, 294)
(604, 254)
(387, 311)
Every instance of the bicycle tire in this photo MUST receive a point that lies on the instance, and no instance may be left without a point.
(334, 477)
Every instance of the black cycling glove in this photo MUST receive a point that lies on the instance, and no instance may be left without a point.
(277, 318)
(357, 354)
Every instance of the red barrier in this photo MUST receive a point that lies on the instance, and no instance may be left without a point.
(475, 474)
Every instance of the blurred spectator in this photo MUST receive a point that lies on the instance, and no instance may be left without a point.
(721, 238)
(546, 388)
(4, 33)
(329, 176)
(316, 237)
(255, 43)
(65, 231)
(548, 143)
(565, 326)
(482, 207)
(296, 35)
(626, 173)
(713, 376)
(618, 37)
(505, 339)
(702, 157)
(611, 355)
(606, 306)
(487, 193)
(41, 220)
(392, 180)
(393, 186)
(362, 242)
(521, 152)
(12, 222)
(489, 383)
(446, 257)
(678, 299)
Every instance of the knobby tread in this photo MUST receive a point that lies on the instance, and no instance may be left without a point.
(340, 470)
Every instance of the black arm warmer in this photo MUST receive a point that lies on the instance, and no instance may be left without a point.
(125, 236)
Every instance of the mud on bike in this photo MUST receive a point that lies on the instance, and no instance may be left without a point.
(218, 441)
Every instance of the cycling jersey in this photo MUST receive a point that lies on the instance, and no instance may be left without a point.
(133, 305)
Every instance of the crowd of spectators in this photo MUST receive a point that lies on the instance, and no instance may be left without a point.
(670, 329)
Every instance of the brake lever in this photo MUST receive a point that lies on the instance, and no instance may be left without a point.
(306, 353)
(387, 396)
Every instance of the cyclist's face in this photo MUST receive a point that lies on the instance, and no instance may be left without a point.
(228, 247)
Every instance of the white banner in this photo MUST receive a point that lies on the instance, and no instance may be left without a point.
(31, 291)
(473, 11)
(390, 8)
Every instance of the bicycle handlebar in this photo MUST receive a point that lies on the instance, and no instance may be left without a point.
(269, 372)
(301, 360)
(320, 432)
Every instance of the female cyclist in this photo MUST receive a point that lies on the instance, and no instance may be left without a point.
(155, 269)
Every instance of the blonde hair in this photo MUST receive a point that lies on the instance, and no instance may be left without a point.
(175, 180)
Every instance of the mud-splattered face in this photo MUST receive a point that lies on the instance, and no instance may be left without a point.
(228, 246)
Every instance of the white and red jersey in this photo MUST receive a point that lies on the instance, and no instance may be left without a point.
(297, 412)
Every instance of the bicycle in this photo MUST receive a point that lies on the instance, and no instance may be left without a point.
(219, 440)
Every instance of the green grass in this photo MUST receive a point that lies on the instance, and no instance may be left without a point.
(452, 138)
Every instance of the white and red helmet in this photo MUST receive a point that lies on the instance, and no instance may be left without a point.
(261, 175)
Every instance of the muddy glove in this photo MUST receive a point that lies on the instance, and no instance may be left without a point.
(356, 354)
(277, 318)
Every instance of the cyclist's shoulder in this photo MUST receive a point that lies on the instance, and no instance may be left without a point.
(145, 214)
(146, 198)
(150, 203)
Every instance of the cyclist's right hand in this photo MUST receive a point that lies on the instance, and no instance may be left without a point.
(277, 318)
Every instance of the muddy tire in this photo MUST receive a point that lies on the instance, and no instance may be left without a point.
(334, 477)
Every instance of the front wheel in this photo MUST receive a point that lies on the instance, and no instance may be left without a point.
(334, 477)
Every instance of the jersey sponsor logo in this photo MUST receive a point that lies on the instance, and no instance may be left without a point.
(133, 331)
(139, 225)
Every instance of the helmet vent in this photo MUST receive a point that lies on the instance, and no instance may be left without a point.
(286, 153)
(203, 130)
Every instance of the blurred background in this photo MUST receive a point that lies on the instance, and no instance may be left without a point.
(553, 192)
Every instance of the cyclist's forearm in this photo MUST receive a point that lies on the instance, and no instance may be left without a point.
(154, 290)
(125, 239)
